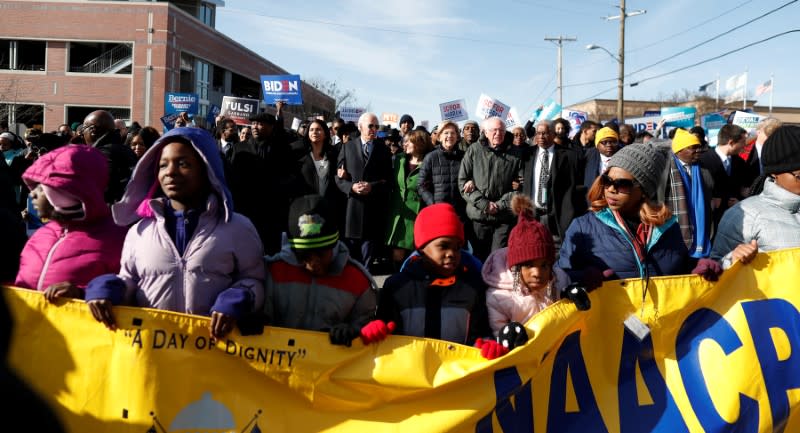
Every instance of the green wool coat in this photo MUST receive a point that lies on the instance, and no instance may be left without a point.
(404, 206)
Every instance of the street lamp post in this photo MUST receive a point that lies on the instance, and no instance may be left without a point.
(620, 80)
(620, 58)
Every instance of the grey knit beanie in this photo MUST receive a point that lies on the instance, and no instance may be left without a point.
(646, 163)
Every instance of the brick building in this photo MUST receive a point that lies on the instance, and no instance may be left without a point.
(61, 59)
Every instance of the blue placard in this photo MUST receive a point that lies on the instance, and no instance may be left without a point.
(168, 121)
(178, 102)
(679, 117)
(211, 117)
(286, 88)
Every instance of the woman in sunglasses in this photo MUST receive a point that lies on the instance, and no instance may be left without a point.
(629, 232)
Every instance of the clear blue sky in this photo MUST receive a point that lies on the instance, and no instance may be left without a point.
(407, 56)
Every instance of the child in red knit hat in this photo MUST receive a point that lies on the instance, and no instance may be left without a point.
(435, 295)
(522, 278)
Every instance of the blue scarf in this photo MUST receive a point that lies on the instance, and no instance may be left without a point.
(695, 204)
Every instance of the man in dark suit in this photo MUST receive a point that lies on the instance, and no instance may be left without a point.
(596, 158)
(364, 171)
(264, 179)
(553, 178)
(728, 170)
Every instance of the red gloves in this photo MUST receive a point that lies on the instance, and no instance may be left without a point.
(708, 269)
(376, 331)
(490, 349)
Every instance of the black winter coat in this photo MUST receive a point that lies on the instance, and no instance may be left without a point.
(438, 179)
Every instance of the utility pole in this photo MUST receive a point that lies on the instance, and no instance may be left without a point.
(621, 57)
(560, 41)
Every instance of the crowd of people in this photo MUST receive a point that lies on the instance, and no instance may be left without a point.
(479, 227)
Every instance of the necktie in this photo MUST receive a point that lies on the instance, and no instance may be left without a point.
(544, 178)
(366, 150)
(727, 164)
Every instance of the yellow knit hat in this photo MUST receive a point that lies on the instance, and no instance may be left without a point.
(683, 139)
(604, 133)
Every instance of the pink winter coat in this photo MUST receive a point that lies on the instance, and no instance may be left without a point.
(79, 250)
(505, 304)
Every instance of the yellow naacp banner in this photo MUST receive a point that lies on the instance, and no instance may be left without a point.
(718, 357)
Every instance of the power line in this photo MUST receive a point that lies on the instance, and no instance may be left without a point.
(684, 51)
(380, 29)
(598, 94)
(693, 27)
(713, 58)
(712, 39)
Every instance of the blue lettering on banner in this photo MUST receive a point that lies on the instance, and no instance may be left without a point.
(570, 359)
(779, 375)
(661, 416)
(701, 325)
(517, 418)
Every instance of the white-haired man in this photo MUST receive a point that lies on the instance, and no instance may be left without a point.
(485, 181)
(364, 171)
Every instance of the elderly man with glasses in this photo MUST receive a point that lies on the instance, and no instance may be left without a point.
(364, 172)
(485, 180)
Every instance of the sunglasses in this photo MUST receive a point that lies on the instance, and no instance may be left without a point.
(373, 126)
(623, 186)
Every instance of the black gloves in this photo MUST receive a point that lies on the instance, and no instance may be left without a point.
(578, 294)
(343, 334)
(512, 335)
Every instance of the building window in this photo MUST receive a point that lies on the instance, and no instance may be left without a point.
(206, 14)
(77, 114)
(100, 58)
(22, 55)
(203, 79)
(28, 114)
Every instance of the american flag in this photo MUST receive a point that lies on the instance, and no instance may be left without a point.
(764, 87)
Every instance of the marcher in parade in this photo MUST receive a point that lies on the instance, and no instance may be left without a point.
(187, 251)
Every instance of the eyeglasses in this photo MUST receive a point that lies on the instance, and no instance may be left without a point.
(623, 186)
(693, 149)
(373, 126)
(495, 130)
(541, 133)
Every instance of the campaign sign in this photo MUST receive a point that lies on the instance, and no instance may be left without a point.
(679, 117)
(239, 109)
(286, 88)
(213, 112)
(351, 114)
(512, 119)
(389, 117)
(489, 107)
(575, 118)
(551, 110)
(746, 120)
(169, 121)
(178, 102)
(454, 111)
(647, 123)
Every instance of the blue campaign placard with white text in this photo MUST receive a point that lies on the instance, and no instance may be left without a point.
(178, 102)
(286, 88)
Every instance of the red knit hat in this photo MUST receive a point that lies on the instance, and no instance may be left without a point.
(436, 221)
(529, 239)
